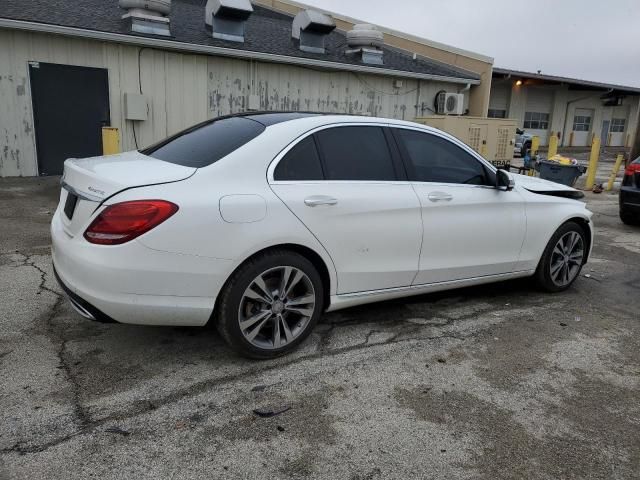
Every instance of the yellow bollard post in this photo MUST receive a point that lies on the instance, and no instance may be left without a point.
(535, 145)
(593, 163)
(110, 140)
(553, 145)
(614, 173)
(483, 149)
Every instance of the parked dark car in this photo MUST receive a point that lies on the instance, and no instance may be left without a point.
(630, 194)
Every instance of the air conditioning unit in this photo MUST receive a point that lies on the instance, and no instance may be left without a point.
(450, 103)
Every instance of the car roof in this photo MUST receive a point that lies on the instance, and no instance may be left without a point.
(269, 118)
(318, 118)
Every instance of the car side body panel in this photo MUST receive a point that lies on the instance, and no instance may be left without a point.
(172, 274)
(373, 232)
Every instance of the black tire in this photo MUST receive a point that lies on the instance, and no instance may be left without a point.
(629, 219)
(543, 276)
(228, 310)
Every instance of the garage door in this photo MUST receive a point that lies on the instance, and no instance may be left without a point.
(582, 125)
(499, 101)
(618, 128)
(537, 116)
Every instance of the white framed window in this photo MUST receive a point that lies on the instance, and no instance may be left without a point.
(536, 120)
(617, 125)
(581, 123)
(497, 113)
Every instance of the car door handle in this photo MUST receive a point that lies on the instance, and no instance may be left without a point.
(320, 200)
(439, 197)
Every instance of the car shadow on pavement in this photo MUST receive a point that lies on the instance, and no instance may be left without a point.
(134, 346)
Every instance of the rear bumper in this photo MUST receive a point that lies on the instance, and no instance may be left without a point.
(630, 199)
(81, 306)
(134, 284)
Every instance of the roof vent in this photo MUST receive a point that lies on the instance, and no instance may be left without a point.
(147, 16)
(227, 18)
(311, 28)
(367, 41)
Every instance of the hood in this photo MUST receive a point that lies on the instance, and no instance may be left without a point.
(538, 185)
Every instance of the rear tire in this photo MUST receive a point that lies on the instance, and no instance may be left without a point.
(562, 259)
(270, 304)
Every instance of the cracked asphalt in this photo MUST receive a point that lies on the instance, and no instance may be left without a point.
(494, 382)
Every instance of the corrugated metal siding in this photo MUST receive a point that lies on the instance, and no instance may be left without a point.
(17, 144)
(281, 87)
(185, 89)
(174, 84)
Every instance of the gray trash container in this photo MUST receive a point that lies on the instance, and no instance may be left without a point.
(556, 172)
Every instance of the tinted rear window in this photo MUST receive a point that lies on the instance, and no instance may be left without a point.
(300, 163)
(206, 143)
(356, 153)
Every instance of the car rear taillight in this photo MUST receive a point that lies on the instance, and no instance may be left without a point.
(632, 168)
(125, 221)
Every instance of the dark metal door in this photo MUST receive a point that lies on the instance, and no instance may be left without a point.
(70, 107)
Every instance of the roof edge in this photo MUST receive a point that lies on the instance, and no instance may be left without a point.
(575, 81)
(406, 36)
(220, 51)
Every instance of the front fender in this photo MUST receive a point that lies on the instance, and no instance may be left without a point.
(545, 214)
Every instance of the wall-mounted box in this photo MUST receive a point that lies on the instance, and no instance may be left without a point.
(135, 106)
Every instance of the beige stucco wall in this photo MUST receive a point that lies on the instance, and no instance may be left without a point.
(482, 65)
(183, 89)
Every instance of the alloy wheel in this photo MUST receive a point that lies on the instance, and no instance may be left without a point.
(276, 307)
(566, 258)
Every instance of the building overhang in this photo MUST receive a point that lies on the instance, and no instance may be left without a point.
(572, 83)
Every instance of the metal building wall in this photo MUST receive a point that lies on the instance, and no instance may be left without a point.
(281, 87)
(183, 89)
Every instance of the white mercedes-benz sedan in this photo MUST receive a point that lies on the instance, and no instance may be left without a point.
(261, 222)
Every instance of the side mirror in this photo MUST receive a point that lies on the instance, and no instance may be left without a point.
(504, 180)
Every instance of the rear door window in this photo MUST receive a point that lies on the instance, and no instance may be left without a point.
(356, 153)
(206, 143)
(300, 163)
(435, 159)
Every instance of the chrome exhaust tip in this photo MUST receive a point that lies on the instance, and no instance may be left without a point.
(80, 309)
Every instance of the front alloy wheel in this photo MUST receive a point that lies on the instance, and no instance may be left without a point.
(566, 259)
(562, 258)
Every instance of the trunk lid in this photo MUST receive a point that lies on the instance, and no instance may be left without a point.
(101, 177)
(87, 182)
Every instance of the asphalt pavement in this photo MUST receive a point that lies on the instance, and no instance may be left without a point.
(493, 382)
